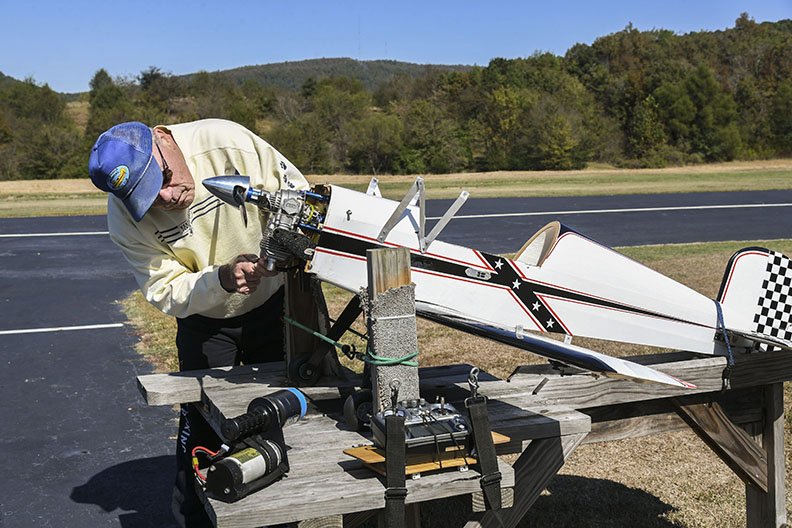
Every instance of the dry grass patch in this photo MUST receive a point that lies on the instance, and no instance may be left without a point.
(733, 176)
(78, 196)
(79, 111)
(51, 198)
(157, 332)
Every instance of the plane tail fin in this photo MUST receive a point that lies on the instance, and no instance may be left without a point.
(756, 296)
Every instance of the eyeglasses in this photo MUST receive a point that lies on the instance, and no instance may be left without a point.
(167, 174)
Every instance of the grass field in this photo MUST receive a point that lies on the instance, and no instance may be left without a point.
(72, 197)
(670, 480)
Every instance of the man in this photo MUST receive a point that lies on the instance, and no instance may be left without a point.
(192, 255)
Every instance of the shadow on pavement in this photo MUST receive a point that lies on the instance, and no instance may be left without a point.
(140, 488)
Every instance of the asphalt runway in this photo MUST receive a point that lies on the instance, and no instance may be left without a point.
(679, 223)
(81, 448)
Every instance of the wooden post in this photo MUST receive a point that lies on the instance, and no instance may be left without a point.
(768, 510)
(332, 521)
(391, 323)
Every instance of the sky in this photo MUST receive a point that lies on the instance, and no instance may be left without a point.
(64, 43)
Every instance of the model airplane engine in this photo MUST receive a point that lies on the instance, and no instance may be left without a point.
(290, 219)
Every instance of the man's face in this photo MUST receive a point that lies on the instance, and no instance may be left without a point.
(178, 191)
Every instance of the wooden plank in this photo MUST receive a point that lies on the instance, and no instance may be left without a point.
(729, 442)
(585, 391)
(390, 318)
(331, 521)
(185, 387)
(300, 304)
(768, 510)
(479, 506)
(532, 471)
(576, 391)
(387, 268)
(452, 456)
(509, 418)
(340, 492)
(636, 419)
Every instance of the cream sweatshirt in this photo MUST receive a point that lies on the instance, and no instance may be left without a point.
(175, 255)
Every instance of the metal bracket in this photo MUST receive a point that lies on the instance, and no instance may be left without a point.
(417, 193)
(447, 216)
(373, 188)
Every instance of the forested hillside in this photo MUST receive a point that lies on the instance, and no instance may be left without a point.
(292, 75)
(633, 99)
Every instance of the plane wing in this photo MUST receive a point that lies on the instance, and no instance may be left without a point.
(566, 353)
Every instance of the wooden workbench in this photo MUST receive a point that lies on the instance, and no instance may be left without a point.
(547, 413)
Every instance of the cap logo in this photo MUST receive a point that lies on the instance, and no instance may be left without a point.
(118, 177)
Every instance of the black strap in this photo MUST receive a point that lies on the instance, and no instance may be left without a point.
(485, 452)
(395, 460)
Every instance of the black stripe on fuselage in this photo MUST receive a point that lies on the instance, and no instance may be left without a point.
(504, 275)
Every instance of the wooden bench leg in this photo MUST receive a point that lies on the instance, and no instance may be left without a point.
(332, 521)
(733, 445)
(532, 471)
(479, 506)
(768, 510)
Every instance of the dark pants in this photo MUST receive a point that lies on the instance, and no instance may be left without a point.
(203, 342)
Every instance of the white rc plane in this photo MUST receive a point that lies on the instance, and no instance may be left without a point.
(560, 281)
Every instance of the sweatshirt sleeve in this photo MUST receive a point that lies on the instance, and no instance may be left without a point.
(164, 281)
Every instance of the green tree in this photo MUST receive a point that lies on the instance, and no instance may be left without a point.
(556, 145)
(781, 120)
(305, 142)
(336, 103)
(109, 105)
(53, 151)
(714, 133)
(433, 141)
(27, 100)
(645, 129)
(376, 141)
(6, 133)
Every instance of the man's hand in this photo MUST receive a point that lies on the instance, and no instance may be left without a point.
(243, 274)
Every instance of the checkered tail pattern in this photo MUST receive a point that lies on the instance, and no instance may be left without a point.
(775, 303)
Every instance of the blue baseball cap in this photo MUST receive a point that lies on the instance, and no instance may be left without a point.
(122, 163)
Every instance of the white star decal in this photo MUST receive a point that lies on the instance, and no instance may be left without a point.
(516, 284)
(549, 323)
(499, 264)
(536, 306)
